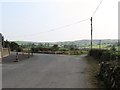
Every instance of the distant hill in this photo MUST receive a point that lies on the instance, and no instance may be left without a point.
(25, 42)
(77, 42)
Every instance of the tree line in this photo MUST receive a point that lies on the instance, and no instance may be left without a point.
(12, 45)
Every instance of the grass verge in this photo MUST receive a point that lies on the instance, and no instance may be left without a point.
(93, 71)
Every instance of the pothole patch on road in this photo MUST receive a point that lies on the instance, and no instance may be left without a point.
(82, 72)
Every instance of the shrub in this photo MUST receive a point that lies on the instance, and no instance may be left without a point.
(103, 55)
(96, 53)
(19, 49)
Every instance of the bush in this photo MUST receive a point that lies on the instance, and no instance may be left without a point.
(19, 49)
(109, 67)
(106, 56)
(103, 55)
(96, 53)
(110, 74)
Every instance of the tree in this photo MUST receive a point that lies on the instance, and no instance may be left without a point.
(2, 41)
(73, 47)
(113, 48)
(55, 47)
(14, 46)
(6, 44)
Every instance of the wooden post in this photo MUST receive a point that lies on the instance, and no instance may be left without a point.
(16, 59)
(91, 32)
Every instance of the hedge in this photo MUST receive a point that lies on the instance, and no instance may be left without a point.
(104, 55)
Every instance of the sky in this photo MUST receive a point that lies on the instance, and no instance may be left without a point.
(39, 20)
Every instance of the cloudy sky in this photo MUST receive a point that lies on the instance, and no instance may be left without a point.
(33, 20)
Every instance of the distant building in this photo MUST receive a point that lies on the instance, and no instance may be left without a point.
(4, 52)
(1, 40)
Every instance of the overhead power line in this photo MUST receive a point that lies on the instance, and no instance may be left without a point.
(54, 29)
(91, 21)
(65, 26)
(97, 8)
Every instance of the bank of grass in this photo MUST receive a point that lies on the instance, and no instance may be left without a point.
(67, 52)
(93, 71)
(77, 52)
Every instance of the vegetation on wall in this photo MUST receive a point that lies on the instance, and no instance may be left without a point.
(109, 71)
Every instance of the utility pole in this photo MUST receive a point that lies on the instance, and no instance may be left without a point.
(91, 32)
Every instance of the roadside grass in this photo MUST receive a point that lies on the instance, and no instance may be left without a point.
(93, 71)
(72, 52)
(77, 52)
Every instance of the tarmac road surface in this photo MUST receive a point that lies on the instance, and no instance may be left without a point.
(46, 71)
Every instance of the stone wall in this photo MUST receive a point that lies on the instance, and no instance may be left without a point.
(4, 52)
